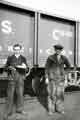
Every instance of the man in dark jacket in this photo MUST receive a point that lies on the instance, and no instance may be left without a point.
(16, 66)
(55, 75)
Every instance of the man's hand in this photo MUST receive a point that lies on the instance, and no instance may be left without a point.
(11, 68)
(46, 80)
(23, 66)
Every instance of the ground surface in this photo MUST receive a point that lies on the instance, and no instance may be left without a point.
(35, 108)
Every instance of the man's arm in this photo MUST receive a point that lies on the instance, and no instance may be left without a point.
(67, 63)
(23, 64)
(8, 65)
(47, 67)
(7, 62)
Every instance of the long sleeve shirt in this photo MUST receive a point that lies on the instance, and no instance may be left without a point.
(54, 68)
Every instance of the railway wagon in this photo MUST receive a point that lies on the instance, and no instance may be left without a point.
(37, 32)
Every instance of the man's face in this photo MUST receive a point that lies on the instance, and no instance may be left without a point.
(17, 50)
(58, 52)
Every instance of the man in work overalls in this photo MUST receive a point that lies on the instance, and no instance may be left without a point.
(55, 75)
(17, 67)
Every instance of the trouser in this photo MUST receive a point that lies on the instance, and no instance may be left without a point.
(15, 86)
(55, 96)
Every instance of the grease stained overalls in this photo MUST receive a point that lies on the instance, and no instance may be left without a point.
(54, 70)
(16, 83)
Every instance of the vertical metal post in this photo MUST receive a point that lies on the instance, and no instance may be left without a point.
(35, 40)
(77, 39)
(35, 43)
(38, 29)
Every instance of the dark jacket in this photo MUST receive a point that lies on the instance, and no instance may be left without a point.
(54, 69)
(13, 61)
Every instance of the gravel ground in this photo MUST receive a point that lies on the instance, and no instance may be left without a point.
(35, 109)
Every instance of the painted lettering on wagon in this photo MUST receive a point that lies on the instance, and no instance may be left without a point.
(6, 26)
(56, 34)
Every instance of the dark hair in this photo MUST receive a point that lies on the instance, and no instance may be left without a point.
(17, 45)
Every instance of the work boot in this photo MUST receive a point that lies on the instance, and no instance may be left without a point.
(50, 113)
(60, 107)
(53, 107)
(5, 117)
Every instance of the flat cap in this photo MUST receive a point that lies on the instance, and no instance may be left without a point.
(58, 46)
